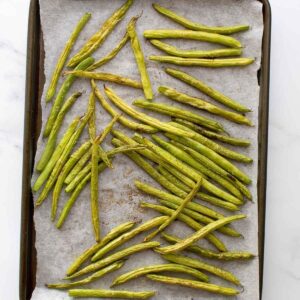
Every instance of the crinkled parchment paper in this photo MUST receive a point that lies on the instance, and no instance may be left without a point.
(118, 197)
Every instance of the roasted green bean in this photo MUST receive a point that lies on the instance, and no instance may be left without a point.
(204, 62)
(51, 142)
(64, 55)
(56, 155)
(110, 55)
(192, 35)
(198, 264)
(114, 233)
(139, 57)
(115, 257)
(200, 85)
(215, 241)
(110, 268)
(201, 104)
(56, 107)
(179, 112)
(158, 269)
(80, 293)
(200, 234)
(209, 287)
(99, 37)
(174, 51)
(209, 253)
(197, 26)
(107, 77)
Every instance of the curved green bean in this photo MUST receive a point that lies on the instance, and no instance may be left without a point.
(115, 257)
(106, 77)
(99, 37)
(158, 269)
(110, 55)
(227, 256)
(139, 57)
(215, 241)
(56, 107)
(174, 51)
(179, 112)
(201, 104)
(114, 233)
(110, 268)
(56, 155)
(148, 225)
(200, 234)
(201, 86)
(64, 55)
(198, 264)
(192, 35)
(51, 142)
(110, 294)
(197, 26)
(213, 135)
(209, 287)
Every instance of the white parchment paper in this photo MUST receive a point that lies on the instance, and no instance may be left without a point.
(118, 198)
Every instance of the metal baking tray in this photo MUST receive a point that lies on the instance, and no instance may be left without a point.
(34, 85)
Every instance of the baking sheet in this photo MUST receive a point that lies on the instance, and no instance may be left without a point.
(57, 249)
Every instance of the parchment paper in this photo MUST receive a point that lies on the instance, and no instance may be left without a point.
(118, 197)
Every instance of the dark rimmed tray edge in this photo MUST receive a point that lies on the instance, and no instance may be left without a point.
(34, 80)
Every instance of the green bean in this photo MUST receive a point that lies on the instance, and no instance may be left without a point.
(110, 268)
(99, 37)
(200, 218)
(174, 51)
(158, 269)
(196, 155)
(139, 58)
(201, 104)
(209, 287)
(115, 257)
(215, 241)
(124, 121)
(64, 55)
(56, 154)
(177, 211)
(114, 233)
(213, 135)
(204, 62)
(143, 117)
(110, 55)
(148, 225)
(69, 204)
(62, 160)
(63, 174)
(86, 170)
(92, 120)
(148, 189)
(200, 234)
(198, 264)
(192, 35)
(189, 171)
(106, 77)
(80, 293)
(219, 149)
(179, 112)
(56, 107)
(51, 143)
(200, 85)
(197, 26)
(209, 253)
(182, 185)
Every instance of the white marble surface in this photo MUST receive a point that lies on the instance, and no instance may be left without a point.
(282, 256)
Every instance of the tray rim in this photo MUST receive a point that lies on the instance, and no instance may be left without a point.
(32, 106)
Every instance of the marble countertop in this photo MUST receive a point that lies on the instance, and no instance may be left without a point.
(282, 242)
